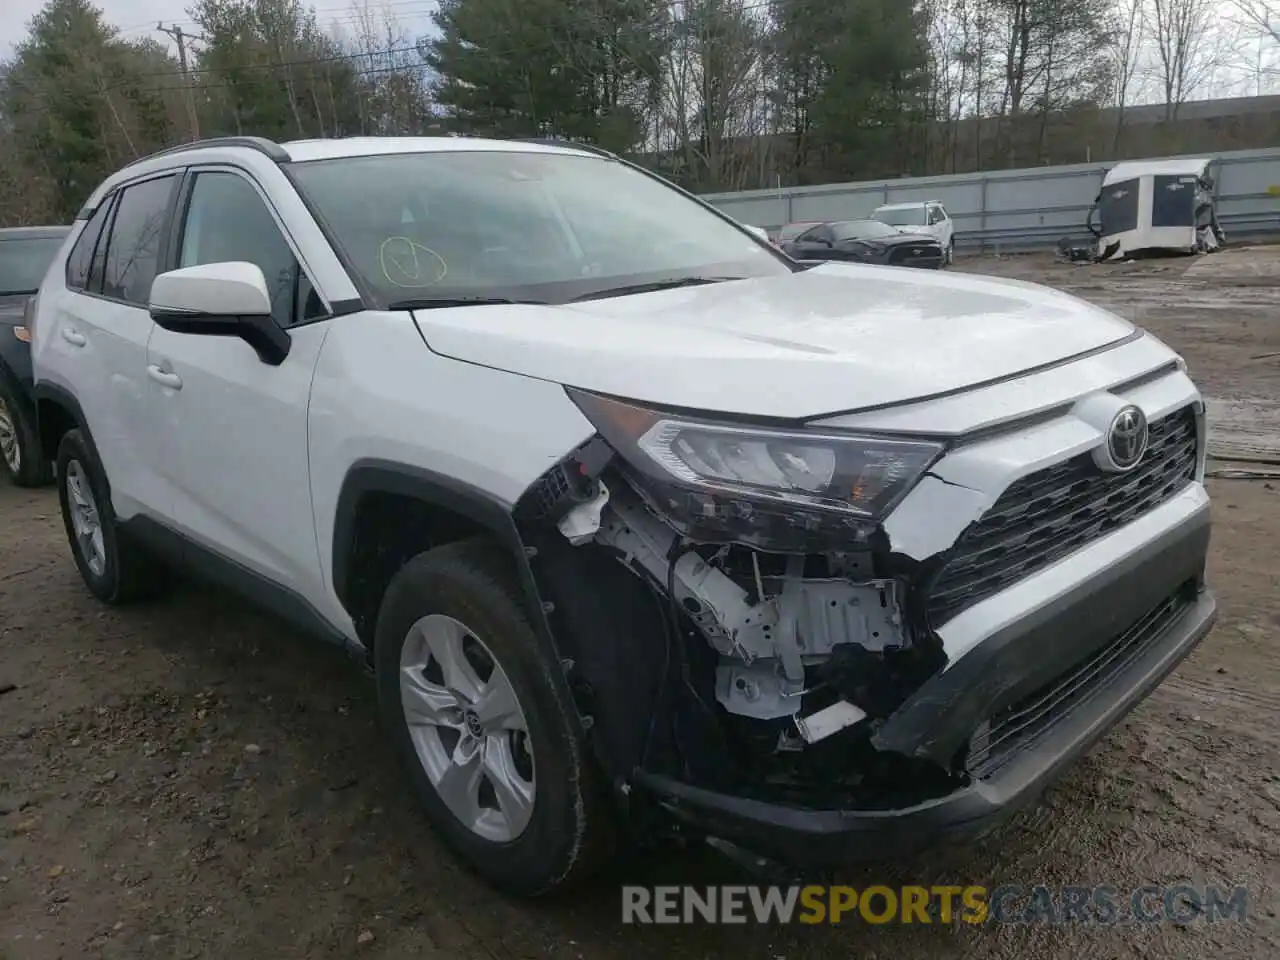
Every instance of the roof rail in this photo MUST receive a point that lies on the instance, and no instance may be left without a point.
(264, 146)
(571, 144)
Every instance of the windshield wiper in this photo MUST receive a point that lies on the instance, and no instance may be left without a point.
(431, 303)
(651, 286)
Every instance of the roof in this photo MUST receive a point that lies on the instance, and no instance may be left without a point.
(301, 151)
(905, 204)
(1178, 166)
(33, 233)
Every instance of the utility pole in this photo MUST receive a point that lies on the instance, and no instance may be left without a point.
(180, 38)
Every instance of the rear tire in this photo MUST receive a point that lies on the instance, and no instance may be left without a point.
(20, 455)
(544, 822)
(114, 568)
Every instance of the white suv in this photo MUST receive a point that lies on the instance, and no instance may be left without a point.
(928, 217)
(639, 525)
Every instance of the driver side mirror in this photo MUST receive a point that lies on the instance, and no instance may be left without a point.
(220, 300)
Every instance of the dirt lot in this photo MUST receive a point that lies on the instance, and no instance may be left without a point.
(189, 779)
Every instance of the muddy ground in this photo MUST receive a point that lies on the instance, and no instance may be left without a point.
(188, 779)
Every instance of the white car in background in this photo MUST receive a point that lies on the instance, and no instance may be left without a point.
(922, 216)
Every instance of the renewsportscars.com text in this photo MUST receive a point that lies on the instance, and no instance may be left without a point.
(1006, 904)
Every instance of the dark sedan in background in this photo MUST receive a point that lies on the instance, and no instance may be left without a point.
(865, 241)
(25, 255)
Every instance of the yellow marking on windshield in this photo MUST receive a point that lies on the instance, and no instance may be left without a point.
(403, 265)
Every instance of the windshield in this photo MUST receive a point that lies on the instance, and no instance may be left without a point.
(902, 216)
(862, 230)
(793, 230)
(24, 262)
(540, 226)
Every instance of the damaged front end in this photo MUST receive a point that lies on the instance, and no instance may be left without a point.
(753, 650)
(736, 617)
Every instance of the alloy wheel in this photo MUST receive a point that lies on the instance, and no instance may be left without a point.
(467, 727)
(10, 450)
(86, 520)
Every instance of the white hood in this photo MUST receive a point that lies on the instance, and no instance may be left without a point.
(832, 339)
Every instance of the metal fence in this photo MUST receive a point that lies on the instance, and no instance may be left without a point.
(1010, 210)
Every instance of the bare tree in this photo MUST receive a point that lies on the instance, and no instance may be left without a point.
(1260, 16)
(948, 78)
(1185, 50)
(1127, 48)
(1257, 57)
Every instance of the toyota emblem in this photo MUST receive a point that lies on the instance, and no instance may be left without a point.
(1127, 438)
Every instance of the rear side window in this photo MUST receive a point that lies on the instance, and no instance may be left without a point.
(82, 253)
(133, 250)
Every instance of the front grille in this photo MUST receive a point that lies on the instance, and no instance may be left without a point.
(918, 255)
(1056, 511)
(1015, 727)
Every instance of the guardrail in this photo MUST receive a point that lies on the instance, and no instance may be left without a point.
(1013, 210)
(1240, 226)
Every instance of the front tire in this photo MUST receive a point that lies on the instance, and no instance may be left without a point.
(489, 743)
(114, 568)
(20, 454)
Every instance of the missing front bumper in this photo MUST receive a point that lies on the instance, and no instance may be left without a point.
(828, 837)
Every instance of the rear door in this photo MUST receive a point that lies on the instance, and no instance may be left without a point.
(100, 336)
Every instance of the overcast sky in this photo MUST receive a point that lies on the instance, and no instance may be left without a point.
(1244, 72)
(138, 18)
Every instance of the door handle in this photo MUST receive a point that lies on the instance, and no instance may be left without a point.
(164, 378)
(72, 337)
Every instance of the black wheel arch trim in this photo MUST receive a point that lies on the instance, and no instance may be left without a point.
(386, 476)
(51, 393)
(20, 391)
(480, 507)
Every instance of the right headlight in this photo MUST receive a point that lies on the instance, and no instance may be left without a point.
(708, 470)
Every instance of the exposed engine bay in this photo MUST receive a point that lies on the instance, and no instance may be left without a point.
(767, 621)
(802, 653)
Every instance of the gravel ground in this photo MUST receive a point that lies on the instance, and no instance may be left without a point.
(189, 779)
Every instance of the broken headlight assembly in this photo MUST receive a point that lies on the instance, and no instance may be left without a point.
(783, 490)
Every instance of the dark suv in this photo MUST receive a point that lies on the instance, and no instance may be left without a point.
(25, 255)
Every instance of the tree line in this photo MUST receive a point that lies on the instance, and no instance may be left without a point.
(716, 94)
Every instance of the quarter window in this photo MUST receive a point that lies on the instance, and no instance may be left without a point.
(133, 252)
(98, 265)
(81, 257)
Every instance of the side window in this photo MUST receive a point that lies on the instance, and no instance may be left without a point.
(133, 250)
(227, 220)
(815, 235)
(81, 257)
(98, 265)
